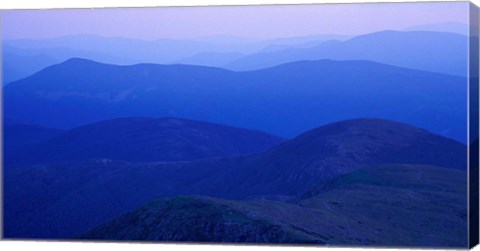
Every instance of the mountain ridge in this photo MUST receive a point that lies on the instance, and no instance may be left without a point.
(337, 216)
(289, 169)
(100, 91)
(411, 49)
(142, 139)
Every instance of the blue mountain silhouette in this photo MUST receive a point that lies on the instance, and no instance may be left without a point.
(424, 50)
(71, 197)
(284, 100)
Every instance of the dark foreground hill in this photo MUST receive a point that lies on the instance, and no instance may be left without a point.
(71, 197)
(149, 139)
(285, 100)
(198, 219)
(390, 205)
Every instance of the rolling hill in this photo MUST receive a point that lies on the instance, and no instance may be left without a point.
(148, 139)
(79, 92)
(198, 219)
(388, 205)
(71, 197)
(335, 149)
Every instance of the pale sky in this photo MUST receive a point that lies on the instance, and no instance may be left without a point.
(261, 22)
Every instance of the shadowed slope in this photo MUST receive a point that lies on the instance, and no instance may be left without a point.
(388, 205)
(335, 149)
(149, 139)
(71, 197)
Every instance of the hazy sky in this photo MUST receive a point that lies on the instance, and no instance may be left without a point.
(243, 21)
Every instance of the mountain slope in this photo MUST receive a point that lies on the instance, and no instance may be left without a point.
(79, 92)
(424, 50)
(402, 205)
(197, 219)
(389, 205)
(17, 137)
(149, 139)
(329, 151)
(17, 66)
(71, 197)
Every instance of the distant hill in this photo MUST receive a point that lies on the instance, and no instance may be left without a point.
(160, 51)
(136, 50)
(441, 52)
(18, 63)
(17, 66)
(210, 59)
(285, 100)
(454, 27)
(24, 57)
(389, 205)
(71, 197)
(149, 139)
(426, 47)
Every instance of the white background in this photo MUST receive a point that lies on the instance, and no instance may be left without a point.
(76, 246)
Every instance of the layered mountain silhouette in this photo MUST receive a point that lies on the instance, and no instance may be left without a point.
(238, 140)
(146, 140)
(79, 92)
(72, 197)
(163, 51)
(442, 52)
(24, 57)
(376, 206)
(136, 50)
(17, 65)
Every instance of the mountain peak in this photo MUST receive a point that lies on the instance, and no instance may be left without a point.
(371, 126)
(367, 138)
(76, 60)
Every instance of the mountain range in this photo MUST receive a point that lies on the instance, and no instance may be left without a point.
(320, 139)
(445, 46)
(208, 51)
(429, 51)
(79, 92)
(72, 197)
